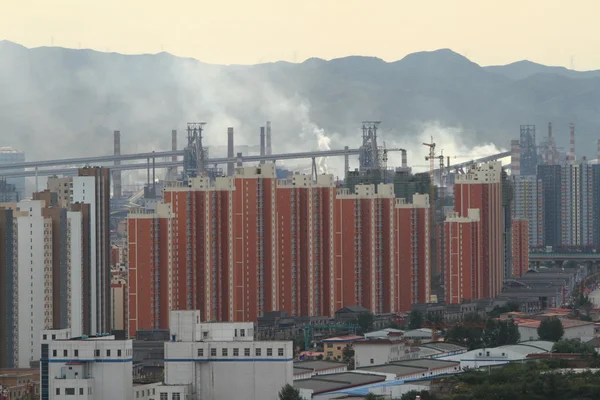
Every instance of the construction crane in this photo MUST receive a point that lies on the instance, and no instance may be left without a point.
(385, 160)
(431, 159)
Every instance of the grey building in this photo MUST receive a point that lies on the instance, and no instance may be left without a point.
(8, 155)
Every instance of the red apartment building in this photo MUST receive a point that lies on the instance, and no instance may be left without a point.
(411, 278)
(463, 269)
(520, 247)
(481, 188)
(248, 244)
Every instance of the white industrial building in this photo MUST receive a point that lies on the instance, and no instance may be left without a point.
(574, 329)
(500, 355)
(85, 368)
(222, 360)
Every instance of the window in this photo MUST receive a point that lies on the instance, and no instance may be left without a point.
(107, 353)
(45, 336)
(80, 391)
(164, 396)
(372, 361)
(247, 352)
(204, 335)
(269, 352)
(118, 353)
(330, 354)
(65, 353)
(242, 332)
(236, 352)
(280, 352)
(235, 333)
(97, 353)
(57, 390)
(53, 353)
(76, 353)
(200, 352)
(175, 396)
(213, 352)
(487, 353)
(258, 351)
(224, 352)
(330, 345)
(70, 391)
(53, 337)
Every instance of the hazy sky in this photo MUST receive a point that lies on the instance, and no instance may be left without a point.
(250, 31)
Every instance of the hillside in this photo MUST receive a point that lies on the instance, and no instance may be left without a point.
(57, 102)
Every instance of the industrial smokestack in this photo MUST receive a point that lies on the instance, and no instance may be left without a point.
(515, 157)
(404, 159)
(230, 164)
(269, 138)
(173, 170)
(116, 175)
(262, 143)
(572, 148)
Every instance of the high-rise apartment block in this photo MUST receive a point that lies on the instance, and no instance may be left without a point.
(249, 243)
(528, 204)
(464, 270)
(520, 247)
(481, 188)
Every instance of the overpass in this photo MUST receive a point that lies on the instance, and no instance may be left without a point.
(559, 258)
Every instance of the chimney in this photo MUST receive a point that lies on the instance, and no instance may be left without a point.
(515, 157)
(230, 154)
(404, 159)
(572, 139)
(262, 143)
(116, 175)
(173, 170)
(269, 138)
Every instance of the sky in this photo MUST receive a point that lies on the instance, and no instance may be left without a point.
(489, 32)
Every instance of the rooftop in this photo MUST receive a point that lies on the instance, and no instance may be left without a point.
(409, 367)
(329, 383)
(348, 338)
(301, 367)
(566, 323)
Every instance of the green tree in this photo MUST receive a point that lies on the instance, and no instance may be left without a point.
(573, 346)
(372, 396)
(365, 321)
(288, 392)
(415, 320)
(551, 330)
(412, 395)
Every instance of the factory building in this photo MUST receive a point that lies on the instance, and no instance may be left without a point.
(205, 357)
(481, 188)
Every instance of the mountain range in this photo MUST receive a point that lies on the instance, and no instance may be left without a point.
(57, 102)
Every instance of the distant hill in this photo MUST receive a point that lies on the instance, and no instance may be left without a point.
(57, 102)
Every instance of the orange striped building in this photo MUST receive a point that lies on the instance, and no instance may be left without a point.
(247, 244)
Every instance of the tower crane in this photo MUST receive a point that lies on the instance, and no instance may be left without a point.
(431, 159)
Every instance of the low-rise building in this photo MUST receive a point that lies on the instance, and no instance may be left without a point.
(574, 329)
(325, 387)
(307, 369)
(334, 347)
(499, 355)
(205, 357)
(382, 351)
(19, 383)
(412, 369)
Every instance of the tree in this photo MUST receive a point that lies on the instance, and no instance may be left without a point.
(412, 395)
(573, 346)
(551, 330)
(288, 392)
(415, 320)
(365, 321)
(372, 396)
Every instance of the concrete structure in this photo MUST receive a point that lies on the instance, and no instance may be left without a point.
(382, 351)
(464, 272)
(481, 188)
(520, 247)
(334, 346)
(8, 155)
(328, 387)
(93, 368)
(574, 329)
(499, 355)
(205, 356)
